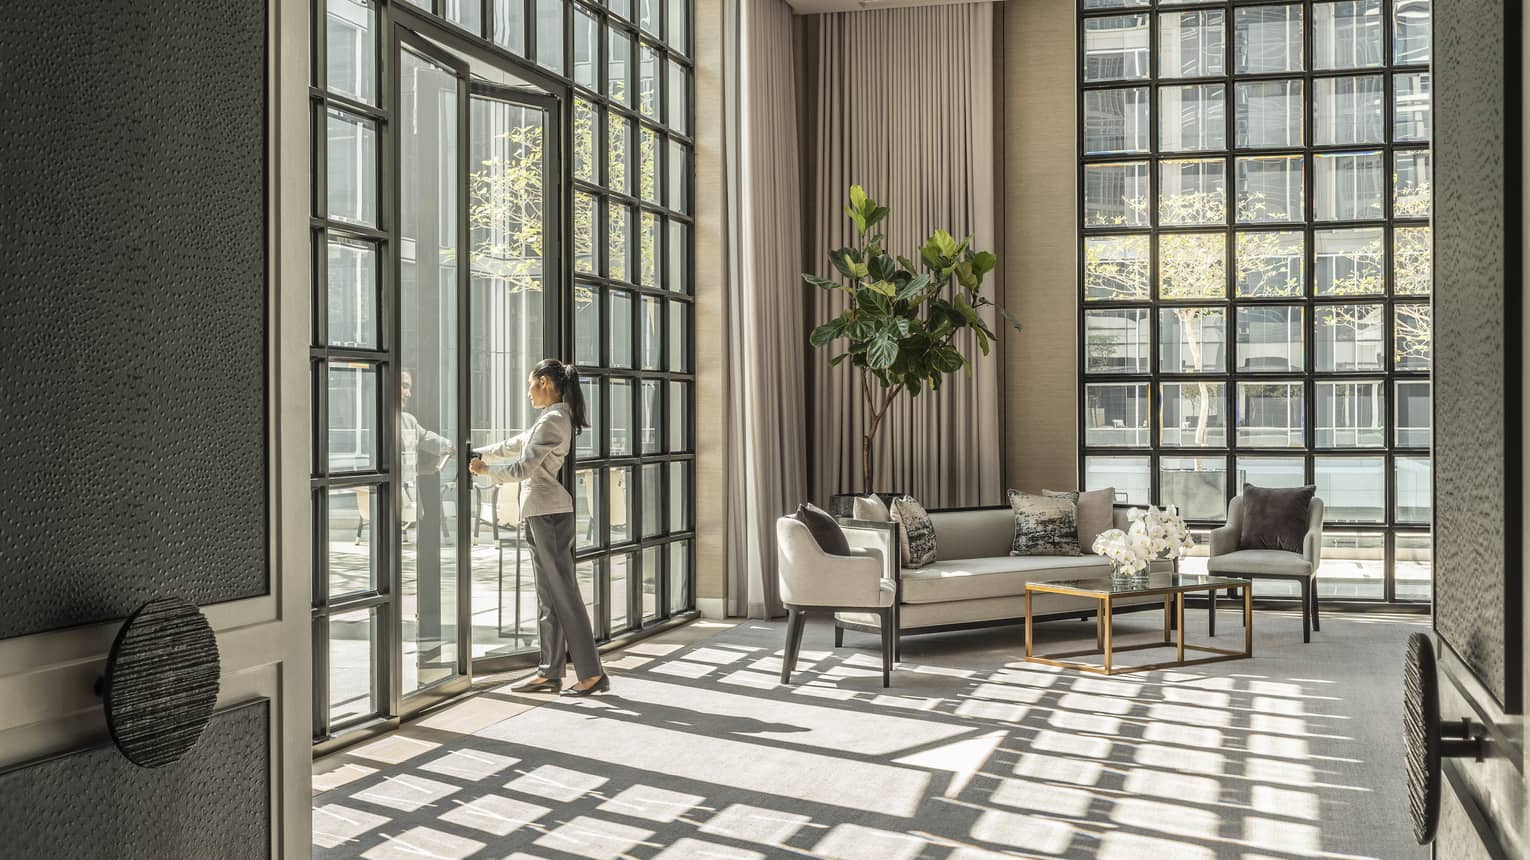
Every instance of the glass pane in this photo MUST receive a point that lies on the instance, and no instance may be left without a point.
(1191, 44)
(648, 249)
(587, 444)
(1116, 414)
(1413, 560)
(1348, 111)
(1267, 39)
(1115, 4)
(587, 329)
(648, 164)
(1116, 48)
(352, 409)
(677, 260)
(351, 166)
(650, 401)
(510, 25)
(619, 308)
(1349, 338)
(1268, 114)
(677, 114)
(1411, 325)
(1412, 261)
(549, 16)
(648, 16)
(1116, 194)
(678, 173)
(587, 574)
(677, 24)
(1272, 472)
(1414, 421)
(679, 417)
(621, 575)
(651, 329)
(619, 67)
(1410, 34)
(1411, 107)
(352, 564)
(619, 480)
(1191, 118)
(1354, 565)
(620, 433)
(652, 475)
(620, 7)
(352, 667)
(586, 49)
(618, 231)
(1412, 193)
(1349, 262)
(1194, 415)
(679, 337)
(1192, 192)
(648, 80)
(1351, 414)
(1130, 476)
(584, 232)
(679, 576)
(1270, 189)
(467, 14)
(430, 252)
(585, 164)
(1198, 485)
(1115, 268)
(587, 508)
(1271, 415)
(1350, 186)
(350, 49)
(679, 496)
(1192, 266)
(1116, 121)
(652, 571)
(1192, 340)
(351, 285)
(618, 138)
(1270, 339)
(1347, 35)
(1117, 341)
(1271, 264)
(1353, 489)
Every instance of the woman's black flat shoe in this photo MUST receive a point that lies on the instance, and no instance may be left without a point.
(546, 685)
(600, 686)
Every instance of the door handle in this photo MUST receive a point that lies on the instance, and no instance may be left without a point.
(1428, 739)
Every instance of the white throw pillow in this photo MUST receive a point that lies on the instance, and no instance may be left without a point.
(871, 509)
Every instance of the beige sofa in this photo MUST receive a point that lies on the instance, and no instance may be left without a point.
(974, 581)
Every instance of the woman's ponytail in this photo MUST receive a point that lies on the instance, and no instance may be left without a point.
(565, 379)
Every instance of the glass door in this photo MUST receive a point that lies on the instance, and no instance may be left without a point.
(431, 135)
(514, 270)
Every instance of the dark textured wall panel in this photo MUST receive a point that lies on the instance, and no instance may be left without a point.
(132, 307)
(215, 802)
(1472, 375)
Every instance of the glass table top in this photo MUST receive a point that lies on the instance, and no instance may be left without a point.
(1103, 585)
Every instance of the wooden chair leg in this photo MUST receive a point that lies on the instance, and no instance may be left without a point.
(1306, 610)
(1315, 624)
(794, 624)
(1211, 611)
(888, 635)
(839, 634)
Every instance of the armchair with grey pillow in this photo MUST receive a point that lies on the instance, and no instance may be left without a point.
(1273, 533)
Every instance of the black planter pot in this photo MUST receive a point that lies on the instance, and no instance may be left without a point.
(843, 504)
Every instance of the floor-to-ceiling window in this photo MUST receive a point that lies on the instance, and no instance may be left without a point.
(573, 211)
(1255, 267)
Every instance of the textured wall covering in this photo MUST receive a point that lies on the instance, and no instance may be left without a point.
(132, 307)
(1475, 577)
(213, 803)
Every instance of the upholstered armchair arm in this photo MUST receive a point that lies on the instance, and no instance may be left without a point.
(810, 577)
(1224, 539)
(882, 536)
(1312, 544)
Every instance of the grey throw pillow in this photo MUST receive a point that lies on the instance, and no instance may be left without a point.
(1044, 525)
(823, 528)
(871, 508)
(1275, 518)
(917, 533)
(1096, 513)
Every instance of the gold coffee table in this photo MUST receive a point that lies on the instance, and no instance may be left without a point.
(1173, 587)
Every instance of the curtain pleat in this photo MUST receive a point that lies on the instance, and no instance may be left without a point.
(905, 109)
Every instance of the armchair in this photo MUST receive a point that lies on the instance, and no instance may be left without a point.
(814, 581)
(1227, 559)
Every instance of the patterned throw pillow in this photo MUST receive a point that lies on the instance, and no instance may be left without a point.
(917, 533)
(1044, 525)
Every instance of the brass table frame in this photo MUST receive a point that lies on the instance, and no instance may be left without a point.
(1174, 594)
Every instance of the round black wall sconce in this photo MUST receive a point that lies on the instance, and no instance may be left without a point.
(161, 682)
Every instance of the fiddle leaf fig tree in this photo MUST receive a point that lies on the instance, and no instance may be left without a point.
(902, 320)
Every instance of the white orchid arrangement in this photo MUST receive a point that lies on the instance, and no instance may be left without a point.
(1153, 533)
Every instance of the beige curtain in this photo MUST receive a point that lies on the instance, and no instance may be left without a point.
(904, 105)
(766, 411)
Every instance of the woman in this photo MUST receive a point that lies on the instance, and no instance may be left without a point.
(536, 457)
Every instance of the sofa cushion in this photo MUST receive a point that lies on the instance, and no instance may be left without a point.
(871, 509)
(1095, 513)
(829, 536)
(1000, 576)
(1275, 518)
(974, 533)
(916, 532)
(1044, 525)
(1260, 561)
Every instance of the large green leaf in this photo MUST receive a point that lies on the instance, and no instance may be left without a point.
(881, 267)
(882, 350)
(827, 332)
(823, 282)
(914, 287)
(984, 262)
(842, 261)
(885, 288)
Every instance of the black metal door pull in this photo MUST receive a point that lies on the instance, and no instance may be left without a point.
(1428, 740)
(161, 682)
